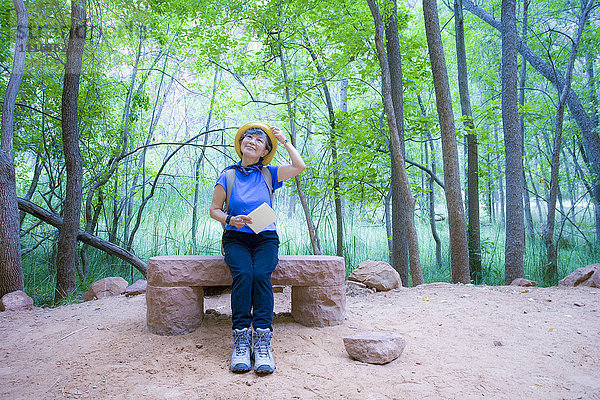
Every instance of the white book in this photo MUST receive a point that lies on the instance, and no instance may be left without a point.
(262, 217)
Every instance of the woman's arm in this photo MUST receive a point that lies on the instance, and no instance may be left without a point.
(216, 209)
(297, 166)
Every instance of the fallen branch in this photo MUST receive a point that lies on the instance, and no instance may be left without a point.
(83, 236)
(72, 333)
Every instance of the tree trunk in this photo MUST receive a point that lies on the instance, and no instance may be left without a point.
(522, 82)
(527, 207)
(90, 226)
(589, 70)
(389, 230)
(459, 253)
(116, 213)
(11, 271)
(67, 239)
(536, 196)
(501, 196)
(490, 192)
(333, 144)
(401, 254)
(473, 232)
(388, 223)
(432, 223)
(343, 109)
(571, 186)
(591, 139)
(550, 275)
(312, 231)
(431, 194)
(581, 176)
(344, 95)
(397, 154)
(515, 230)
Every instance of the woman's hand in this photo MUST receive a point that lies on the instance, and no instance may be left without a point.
(278, 134)
(240, 220)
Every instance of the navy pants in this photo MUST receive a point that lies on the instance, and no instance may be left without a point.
(251, 259)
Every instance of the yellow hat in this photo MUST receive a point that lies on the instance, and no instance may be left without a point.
(269, 157)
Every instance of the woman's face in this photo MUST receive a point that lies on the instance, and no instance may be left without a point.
(254, 145)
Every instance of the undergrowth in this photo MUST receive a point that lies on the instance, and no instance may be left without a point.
(166, 229)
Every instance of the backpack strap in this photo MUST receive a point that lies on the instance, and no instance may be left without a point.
(266, 173)
(229, 178)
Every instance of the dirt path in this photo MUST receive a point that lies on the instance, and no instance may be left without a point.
(463, 342)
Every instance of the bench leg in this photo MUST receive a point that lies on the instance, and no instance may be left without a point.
(174, 310)
(319, 305)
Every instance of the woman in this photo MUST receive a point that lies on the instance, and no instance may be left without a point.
(252, 257)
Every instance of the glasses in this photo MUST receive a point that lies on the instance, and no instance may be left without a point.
(257, 139)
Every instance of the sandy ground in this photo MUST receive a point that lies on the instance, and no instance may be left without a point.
(463, 342)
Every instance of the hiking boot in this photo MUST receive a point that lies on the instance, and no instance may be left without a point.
(263, 357)
(242, 348)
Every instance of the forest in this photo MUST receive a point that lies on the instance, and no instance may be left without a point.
(455, 139)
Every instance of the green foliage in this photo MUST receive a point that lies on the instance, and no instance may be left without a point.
(183, 47)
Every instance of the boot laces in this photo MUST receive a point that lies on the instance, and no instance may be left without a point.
(241, 342)
(263, 343)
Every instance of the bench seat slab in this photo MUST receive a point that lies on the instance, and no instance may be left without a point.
(204, 270)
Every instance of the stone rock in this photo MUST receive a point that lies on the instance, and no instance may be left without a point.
(376, 274)
(585, 276)
(319, 306)
(16, 301)
(358, 285)
(355, 289)
(106, 287)
(523, 282)
(202, 270)
(139, 287)
(174, 310)
(375, 347)
(434, 285)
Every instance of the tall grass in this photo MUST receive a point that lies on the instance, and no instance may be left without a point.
(166, 229)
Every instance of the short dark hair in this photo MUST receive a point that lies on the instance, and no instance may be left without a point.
(258, 131)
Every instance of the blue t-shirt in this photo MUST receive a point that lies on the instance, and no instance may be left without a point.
(249, 192)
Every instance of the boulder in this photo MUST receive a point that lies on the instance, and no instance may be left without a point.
(106, 287)
(585, 276)
(376, 274)
(139, 287)
(375, 347)
(16, 301)
(523, 282)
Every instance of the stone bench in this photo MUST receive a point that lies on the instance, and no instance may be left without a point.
(175, 294)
